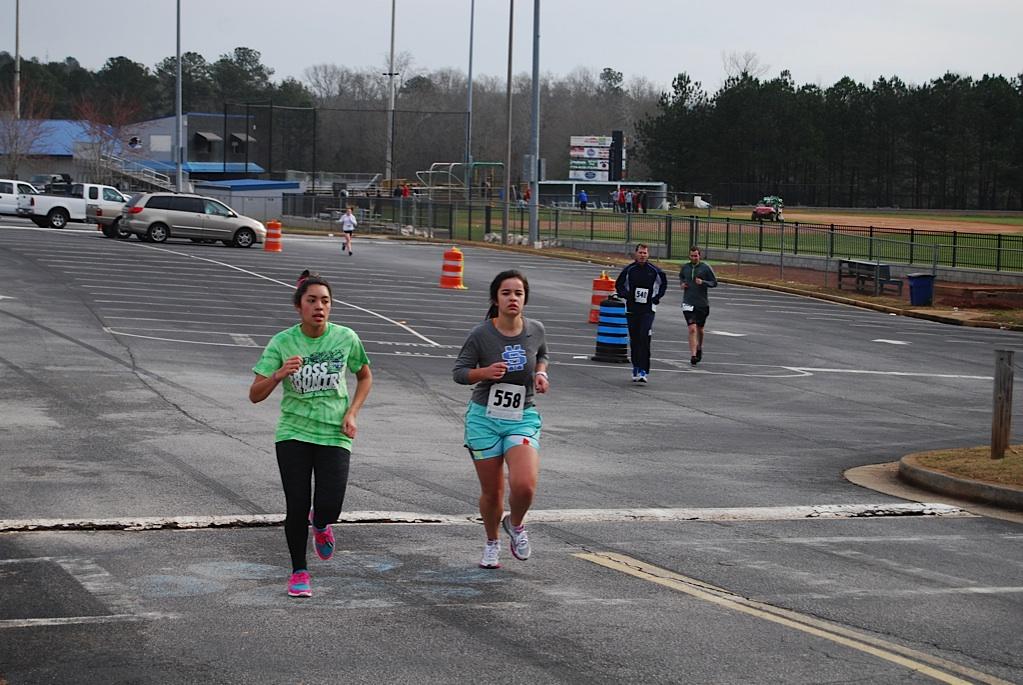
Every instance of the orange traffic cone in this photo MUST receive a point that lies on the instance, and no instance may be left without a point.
(602, 287)
(451, 271)
(272, 242)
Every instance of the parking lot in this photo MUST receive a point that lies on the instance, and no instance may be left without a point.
(126, 367)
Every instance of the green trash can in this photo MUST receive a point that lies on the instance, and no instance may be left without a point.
(921, 289)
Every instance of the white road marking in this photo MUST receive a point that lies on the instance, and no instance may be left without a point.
(727, 334)
(890, 342)
(97, 582)
(809, 369)
(790, 513)
(81, 620)
(914, 592)
(935, 667)
(6, 297)
(288, 285)
(243, 340)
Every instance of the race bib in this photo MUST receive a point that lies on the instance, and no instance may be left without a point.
(506, 401)
(642, 294)
(687, 307)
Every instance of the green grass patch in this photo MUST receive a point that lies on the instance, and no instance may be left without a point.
(976, 463)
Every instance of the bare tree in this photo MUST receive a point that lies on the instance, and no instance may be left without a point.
(747, 63)
(18, 136)
(110, 124)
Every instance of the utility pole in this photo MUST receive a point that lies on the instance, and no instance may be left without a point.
(534, 140)
(468, 107)
(508, 155)
(390, 106)
(17, 60)
(179, 131)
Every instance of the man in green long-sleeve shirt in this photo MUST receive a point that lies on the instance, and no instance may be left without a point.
(695, 277)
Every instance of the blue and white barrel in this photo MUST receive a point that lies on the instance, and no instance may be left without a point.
(612, 333)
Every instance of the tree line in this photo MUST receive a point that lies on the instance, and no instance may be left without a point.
(351, 107)
(953, 142)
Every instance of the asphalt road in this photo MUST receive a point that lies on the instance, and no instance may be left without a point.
(125, 368)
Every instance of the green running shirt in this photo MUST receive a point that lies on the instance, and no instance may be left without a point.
(316, 396)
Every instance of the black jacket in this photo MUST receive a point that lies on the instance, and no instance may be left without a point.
(644, 277)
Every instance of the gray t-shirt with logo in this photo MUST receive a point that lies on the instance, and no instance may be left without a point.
(486, 345)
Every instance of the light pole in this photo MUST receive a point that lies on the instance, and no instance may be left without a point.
(468, 107)
(534, 140)
(17, 60)
(179, 133)
(390, 106)
(508, 153)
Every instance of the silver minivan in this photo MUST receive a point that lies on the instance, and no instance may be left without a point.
(154, 217)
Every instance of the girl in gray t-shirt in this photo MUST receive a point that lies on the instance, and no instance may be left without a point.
(506, 357)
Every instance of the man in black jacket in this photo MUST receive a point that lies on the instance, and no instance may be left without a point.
(641, 285)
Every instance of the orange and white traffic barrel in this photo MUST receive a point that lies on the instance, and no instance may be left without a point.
(272, 242)
(451, 271)
(602, 288)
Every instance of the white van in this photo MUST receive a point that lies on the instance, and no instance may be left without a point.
(9, 190)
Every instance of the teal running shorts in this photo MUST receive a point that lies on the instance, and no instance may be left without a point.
(486, 438)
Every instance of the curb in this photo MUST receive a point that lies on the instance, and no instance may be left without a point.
(912, 313)
(1008, 496)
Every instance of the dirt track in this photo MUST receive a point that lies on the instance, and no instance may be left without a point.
(895, 221)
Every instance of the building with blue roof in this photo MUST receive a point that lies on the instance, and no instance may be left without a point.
(49, 146)
(216, 147)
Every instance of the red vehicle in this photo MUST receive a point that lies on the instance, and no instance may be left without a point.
(771, 208)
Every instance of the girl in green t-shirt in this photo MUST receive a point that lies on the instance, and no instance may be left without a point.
(317, 424)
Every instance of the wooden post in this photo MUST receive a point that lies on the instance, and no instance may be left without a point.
(1001, 418)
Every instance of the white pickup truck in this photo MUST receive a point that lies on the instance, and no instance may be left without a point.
(58, 210)
(10, 188)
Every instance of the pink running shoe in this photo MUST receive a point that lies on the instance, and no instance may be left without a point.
(323, 541)
(298, 584)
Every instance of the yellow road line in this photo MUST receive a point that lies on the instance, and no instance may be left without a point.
(889, 651)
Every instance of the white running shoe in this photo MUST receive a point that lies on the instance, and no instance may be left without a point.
(519, 539)
(491, 554)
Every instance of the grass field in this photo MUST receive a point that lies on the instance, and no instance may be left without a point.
(922, 238)
(976, 463)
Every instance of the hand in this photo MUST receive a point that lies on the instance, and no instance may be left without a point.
(698, 281)
(495, 371)
(348, 427)
(541, 384)
(290, 366)
(685, 285)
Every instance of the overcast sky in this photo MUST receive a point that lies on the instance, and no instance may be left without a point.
(818, 41)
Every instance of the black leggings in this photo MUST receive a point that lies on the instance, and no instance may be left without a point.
(298, 462)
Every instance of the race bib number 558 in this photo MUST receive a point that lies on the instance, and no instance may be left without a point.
(506, 401)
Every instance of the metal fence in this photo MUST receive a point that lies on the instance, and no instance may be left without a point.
(675, 233)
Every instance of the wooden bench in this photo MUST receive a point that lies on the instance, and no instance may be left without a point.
(862, 273)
